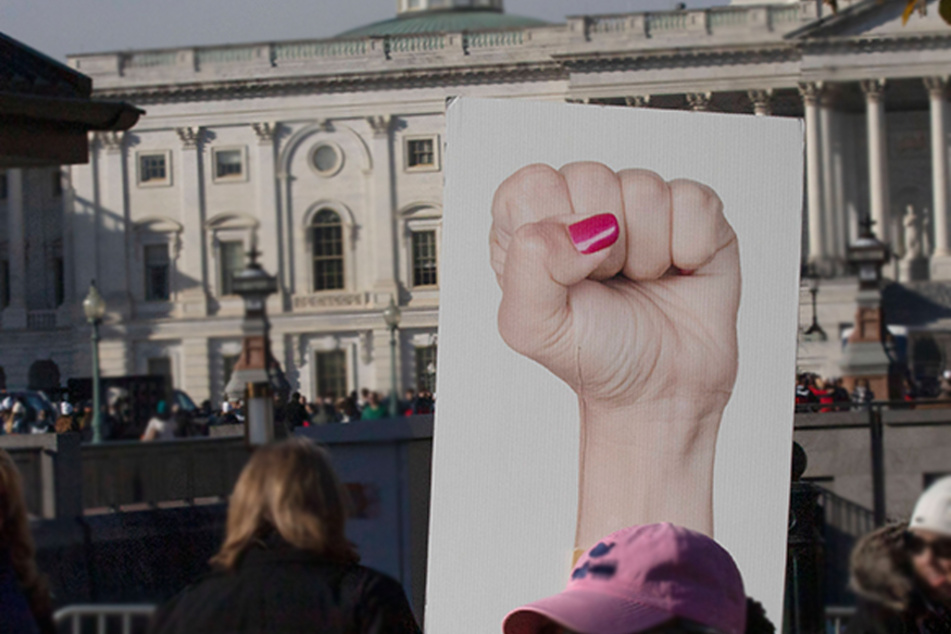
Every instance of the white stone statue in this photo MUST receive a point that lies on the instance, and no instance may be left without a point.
(913, 246)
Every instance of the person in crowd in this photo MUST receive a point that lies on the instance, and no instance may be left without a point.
(651, 578)
(18, 422)
(823, 393)
(285, 564)
(6, 415)
(364, 399)
(862, 393)
(42, 424)
(346, 411)
(374, 409)
(296, 411)
(902, 572)
(408, 405)
(227, 415)
(65, 422)
(840, 395)
(25, 605)
(804, 395)
(425, 402)
(161, 426)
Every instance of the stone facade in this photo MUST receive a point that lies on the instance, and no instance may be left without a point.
(341, 140)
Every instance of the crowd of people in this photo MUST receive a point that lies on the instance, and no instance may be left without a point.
(167, 419)
(817, 394)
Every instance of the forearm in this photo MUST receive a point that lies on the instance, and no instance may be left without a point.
(647, 463)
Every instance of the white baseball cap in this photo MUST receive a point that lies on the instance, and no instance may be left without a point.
(933, 509)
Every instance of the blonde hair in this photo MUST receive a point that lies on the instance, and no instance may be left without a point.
(15, 537)
(290, 488)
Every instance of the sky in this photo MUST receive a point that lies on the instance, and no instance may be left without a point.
(62, 27)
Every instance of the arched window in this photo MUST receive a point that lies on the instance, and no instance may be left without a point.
(327, 247)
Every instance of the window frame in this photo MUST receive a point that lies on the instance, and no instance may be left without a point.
(414, 231)
(435, 166)
(345, 372)
(151, 244)
(421, 219)
(156, 182)
(220, 257)
(312, 154)
(311, 250)
(229, 178)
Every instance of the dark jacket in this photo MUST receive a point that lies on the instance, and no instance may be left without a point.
(278, 588)
(15, 614)
(890, 600)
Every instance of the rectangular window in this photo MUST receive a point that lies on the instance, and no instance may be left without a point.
(4, 283)
(59, 281)
(229, 164)
(232, 261)
(153, 168)
(421, 153)
(327, 237)
(161, 366)
(56, 179)
(424, 258)
(156, 272)
(331, 373)
(426, 368)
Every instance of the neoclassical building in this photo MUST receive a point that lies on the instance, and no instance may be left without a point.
(331, 152)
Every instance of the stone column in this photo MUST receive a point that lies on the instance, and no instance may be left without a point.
(192, 277)
(834, 242)
(937, 94)
(879, 197)
(699, 101)
(14, 316)
(82, 220)
(761, 99)
(383, 226)
(113, 226)
(269, 217)
(811, 93)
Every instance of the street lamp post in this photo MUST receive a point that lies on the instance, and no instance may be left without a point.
(391, 315)
(95, 308)
(815, 331)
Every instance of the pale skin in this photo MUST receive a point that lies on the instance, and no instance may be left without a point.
(933, 571)
(644, 331)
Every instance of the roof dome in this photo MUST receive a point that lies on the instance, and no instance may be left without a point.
(440, 16)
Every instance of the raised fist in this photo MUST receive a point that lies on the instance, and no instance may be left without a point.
(627, 288)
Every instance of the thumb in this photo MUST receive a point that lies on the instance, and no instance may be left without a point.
(543, 260)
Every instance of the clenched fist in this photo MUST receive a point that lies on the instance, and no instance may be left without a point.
(627, 288)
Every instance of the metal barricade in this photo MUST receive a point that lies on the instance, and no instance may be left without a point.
(127, 614)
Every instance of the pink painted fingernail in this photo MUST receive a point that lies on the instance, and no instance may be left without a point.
(595, 233)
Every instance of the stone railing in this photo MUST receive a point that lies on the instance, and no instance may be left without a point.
(41, 320)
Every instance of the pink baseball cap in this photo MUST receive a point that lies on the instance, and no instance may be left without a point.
(640, 577)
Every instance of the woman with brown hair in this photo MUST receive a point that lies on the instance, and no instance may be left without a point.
(25, 605)
(286, 564)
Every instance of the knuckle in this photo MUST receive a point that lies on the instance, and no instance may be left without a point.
(530, 240)
(644, 184)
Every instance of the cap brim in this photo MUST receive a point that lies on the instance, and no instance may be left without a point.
(585, 612)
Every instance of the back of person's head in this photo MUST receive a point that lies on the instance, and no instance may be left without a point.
(641, 578)
(288, 488)
(16, 540)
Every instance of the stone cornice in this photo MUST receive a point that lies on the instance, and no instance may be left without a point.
(349, 82)
(679, 57)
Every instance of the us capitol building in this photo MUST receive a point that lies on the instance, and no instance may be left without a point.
(331, 152)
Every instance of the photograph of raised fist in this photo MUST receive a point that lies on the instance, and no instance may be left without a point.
(626, 287)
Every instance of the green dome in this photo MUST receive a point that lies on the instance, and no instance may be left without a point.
(444, 22)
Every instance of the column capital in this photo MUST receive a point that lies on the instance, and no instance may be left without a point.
(811, 92)
(761, 100)
(874, 89)
(638, 101)
(110, 140)
(699, 101)
(266, 131)
(381, 124)
(190, 136)
(937, 86)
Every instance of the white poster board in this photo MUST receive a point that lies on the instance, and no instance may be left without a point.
(506, 453)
